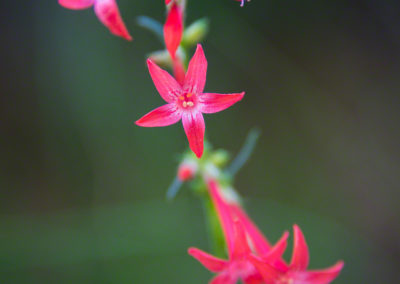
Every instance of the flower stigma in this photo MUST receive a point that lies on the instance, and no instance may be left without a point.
(186, 100)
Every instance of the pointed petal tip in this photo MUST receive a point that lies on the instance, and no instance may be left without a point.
(140, 123)
(199, 48)
(193, 124)
(213, 102)
(191, 250)
(339, 265)
(149, 61)
(128, 37)
(108, 13)
(300, 255)
(212, 263)
(162, 116)
(195, 78)
(198, 152)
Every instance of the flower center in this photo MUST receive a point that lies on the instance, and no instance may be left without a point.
(187, 100)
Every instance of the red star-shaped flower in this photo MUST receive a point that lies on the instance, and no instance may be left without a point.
(186, 101)
(237, 266)
(263, 264)
(107, 12)
(296, 272)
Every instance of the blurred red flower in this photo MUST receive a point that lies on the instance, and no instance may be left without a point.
(107, 12)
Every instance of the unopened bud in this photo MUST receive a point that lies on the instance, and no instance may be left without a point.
(230, 195)
(220, 158)
(195, 33)
(187, 170)
(163, 59)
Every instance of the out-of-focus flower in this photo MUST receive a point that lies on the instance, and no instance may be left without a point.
(252, 256)
(238, 266)
(173, 28)
(107, 12)
(187, 169)
(295, 272)
(186, 101)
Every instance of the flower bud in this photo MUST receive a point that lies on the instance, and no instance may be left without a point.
(173, 29)
(220, 158)
(187, 170)
(195, 32)
(163, 59)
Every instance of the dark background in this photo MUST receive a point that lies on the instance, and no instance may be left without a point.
(82, 187)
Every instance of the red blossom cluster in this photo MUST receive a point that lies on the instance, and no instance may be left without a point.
(251, 257)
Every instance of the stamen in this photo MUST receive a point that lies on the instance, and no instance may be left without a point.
(189, 95)
(190, 104)
(184, 104)
(181, 98)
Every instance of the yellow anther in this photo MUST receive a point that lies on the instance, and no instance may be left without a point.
(184, 104)
(190, 104)
(189, 95)
(181, 98)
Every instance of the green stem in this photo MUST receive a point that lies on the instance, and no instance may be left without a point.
(216, 236)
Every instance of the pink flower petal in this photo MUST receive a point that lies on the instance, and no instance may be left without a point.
(162, 116)
(261, 244)
(254, 279)
(167, 2)
(210, 262)
(108, 13)
(173, 29)
(211, 103)
(279, 248)
(224, 215)
(193, 123)
(195, 79)
(166, 85)
(300, 256)
(274, 257)
(76, 4)
(240, 246)
(269, 273)
(323, 276)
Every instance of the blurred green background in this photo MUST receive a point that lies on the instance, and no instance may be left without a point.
(82, 187)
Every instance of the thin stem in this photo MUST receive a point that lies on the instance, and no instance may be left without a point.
(152, 25)
(173, 188)
(245, 152)
(215, 234)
